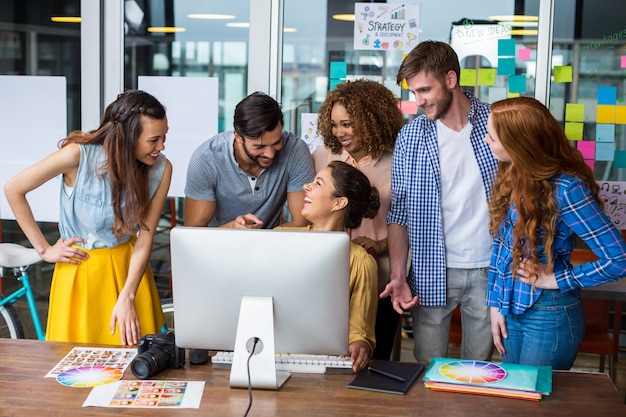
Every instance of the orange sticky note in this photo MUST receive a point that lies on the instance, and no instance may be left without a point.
(620, 115)
(605, 114)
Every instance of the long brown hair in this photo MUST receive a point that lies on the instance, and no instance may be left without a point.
(539, 150)
(118, 134)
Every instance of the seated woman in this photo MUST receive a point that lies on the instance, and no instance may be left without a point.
(337, 200)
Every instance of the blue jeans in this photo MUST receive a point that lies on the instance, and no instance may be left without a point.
(548, 333)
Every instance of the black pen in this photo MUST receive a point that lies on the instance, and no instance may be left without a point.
(387, 374)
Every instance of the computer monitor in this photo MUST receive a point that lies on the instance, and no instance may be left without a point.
(290, 288)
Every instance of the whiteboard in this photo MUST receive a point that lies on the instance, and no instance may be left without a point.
(33, 119)
(192, 116)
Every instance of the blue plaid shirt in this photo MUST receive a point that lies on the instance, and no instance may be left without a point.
(579, 215)
(416, 197)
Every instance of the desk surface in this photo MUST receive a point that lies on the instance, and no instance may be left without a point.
(24, 391)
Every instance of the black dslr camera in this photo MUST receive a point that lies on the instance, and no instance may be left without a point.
(156, 352)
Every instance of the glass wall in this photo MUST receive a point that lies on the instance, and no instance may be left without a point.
(34, 40)
(497, 52)
(590, 44)
(190, 38)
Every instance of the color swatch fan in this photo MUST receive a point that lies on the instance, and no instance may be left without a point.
(89, 376)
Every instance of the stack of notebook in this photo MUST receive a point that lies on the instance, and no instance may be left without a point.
(489, 378)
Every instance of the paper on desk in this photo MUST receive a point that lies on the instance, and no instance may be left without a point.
(118, 358)
(147, 394)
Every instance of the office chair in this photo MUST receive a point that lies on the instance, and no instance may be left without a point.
(597, 338)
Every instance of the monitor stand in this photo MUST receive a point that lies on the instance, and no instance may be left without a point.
(256, 320)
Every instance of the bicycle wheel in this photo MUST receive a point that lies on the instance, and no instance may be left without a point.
(10, 325)
(167, 304)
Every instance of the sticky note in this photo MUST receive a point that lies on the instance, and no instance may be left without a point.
(408, 107)
(563, 74)
(512, 95)
(623, 65)
(338, 69)
(574, 130)
(523, 54)
(607, 95)
(517, 84)
(587, 148)
(605, 151)
(619, 160)
(605, 132)
(496, 94)
(605, 114)
(468, 77)
(620, 115)
(334, 82)
(506, 66)
(487, 76)
(506, 47)
(574, 112)
(404, 85)
(591, 164)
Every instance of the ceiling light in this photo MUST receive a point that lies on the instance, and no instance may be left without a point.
(344, 17)
(516, 18)
(210, 16)
(165, 29)
(290, 30)
(66, 19)
(238, 25)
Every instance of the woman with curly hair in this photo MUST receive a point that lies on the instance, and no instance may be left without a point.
(544, 196)
(359, 121)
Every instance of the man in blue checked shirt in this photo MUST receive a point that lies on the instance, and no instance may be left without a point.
(441, 177)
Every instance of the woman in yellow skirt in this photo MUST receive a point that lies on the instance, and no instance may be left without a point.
(115, 182)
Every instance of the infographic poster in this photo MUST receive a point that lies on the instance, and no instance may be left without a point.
(386, 26)
(613, 193)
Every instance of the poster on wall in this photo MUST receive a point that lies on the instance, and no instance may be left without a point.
(308, 131)
(613, 193)
(383, 26)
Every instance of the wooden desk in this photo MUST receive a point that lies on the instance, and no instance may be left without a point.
(25, 392)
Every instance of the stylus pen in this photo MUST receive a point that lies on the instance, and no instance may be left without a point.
(387, 374)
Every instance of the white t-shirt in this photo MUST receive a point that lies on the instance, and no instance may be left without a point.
(463, 201)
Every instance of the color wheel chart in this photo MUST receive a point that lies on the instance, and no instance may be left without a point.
(89, 376)
(476, 372)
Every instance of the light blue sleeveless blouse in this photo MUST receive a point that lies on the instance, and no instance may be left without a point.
(87, 211)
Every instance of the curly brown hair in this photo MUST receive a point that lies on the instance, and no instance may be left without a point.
(374, 115)
(539, 150)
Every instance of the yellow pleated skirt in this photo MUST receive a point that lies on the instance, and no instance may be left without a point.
(82, 298)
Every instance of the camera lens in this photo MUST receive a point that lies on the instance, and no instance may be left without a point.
(150, 362)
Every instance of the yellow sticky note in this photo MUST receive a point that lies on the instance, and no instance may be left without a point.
(512, 95)
(487, 76)
(468, 77)
(620, 115)
(405, 86)
(605, 114)
(574, 112)
(563, 74)
(574, 130)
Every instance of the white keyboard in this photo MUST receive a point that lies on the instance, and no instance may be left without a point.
(312, 364)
